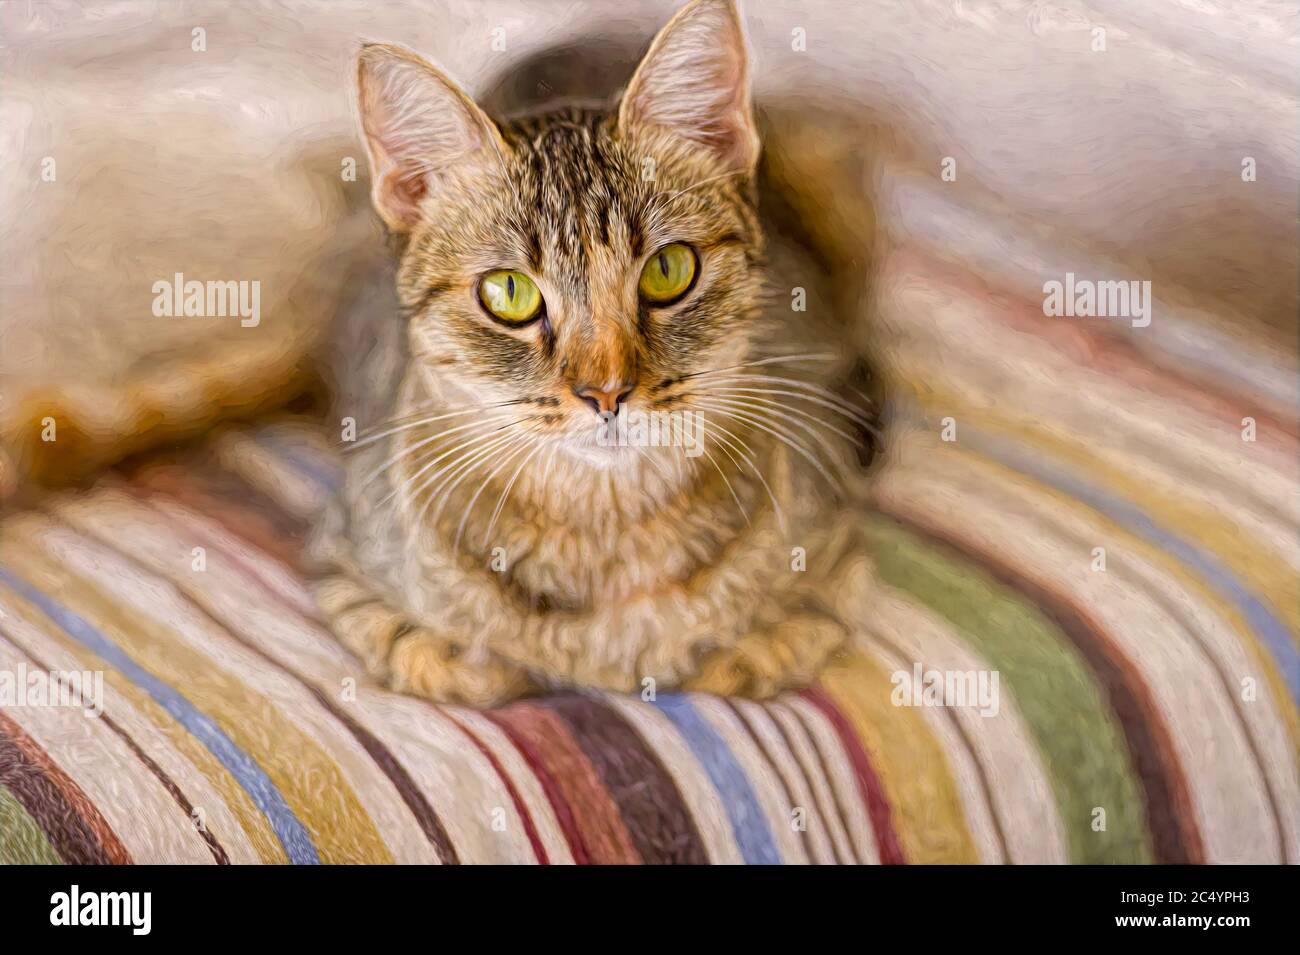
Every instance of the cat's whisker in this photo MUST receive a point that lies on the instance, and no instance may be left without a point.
(505, 494)
(725, 450)
(748, 400)
(456, 471)
(727, 481)
(714, 428)
(669, 197)
(773, 429)
(371, 438)
(771, 360)
(420, 408)
(527, 442)
(372, 433)
(825, 397)
(415, 448)
(392, 500)
(468, 467)
(505, 173)
(429, 464)
(856, 415)
(550, 464)
(803, 383)
(765, 396)
(429, 488)
(797, 419)
(859, 413)
(650, 459)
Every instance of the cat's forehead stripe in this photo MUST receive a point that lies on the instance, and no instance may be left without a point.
(570, 184)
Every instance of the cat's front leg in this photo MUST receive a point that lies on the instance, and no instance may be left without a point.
(764, 662)
(410, 657)
(812, 626)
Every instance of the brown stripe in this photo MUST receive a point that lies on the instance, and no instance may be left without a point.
(588, 815)
(1176, 840)
(772, 762)
(656, 817)
(218, 853)
(424, 813)
(76, 830)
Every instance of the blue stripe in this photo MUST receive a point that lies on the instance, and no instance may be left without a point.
(293, 836)
(747, 821)
(1261, 618)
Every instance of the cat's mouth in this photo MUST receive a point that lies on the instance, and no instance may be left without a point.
(598, 446)
(636, 441)
(602, 458)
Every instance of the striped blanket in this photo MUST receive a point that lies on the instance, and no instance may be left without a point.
(1060, 508)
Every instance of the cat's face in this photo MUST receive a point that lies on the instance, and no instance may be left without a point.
(571, 283)
(568, 266)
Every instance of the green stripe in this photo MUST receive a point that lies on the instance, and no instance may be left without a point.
(1065, 708)
(21, 840)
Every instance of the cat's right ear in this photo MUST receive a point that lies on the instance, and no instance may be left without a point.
(419, 128)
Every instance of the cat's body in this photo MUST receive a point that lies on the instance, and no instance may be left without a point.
(485, 543)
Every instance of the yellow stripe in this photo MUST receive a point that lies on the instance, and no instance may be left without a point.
(1249, 558)
(255, 825)
(308, 778)
(909, 761)
(1004, 476)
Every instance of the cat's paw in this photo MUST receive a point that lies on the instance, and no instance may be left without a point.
(425, 663)
(409, 657)
(762, 664)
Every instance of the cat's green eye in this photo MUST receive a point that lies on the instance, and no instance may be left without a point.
(668, 275)
(510, 296)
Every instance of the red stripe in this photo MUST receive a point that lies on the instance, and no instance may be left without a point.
(873, 796)
(604, 837)
(533, 838)
(559, 804)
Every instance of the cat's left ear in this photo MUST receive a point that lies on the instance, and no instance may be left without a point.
(694, 84)
(420, 128)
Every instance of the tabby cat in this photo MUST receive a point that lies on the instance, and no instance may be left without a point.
(561, 275)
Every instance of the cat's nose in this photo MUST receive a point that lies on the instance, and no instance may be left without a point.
(605, 400)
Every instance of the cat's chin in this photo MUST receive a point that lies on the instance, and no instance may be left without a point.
(604, 458)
